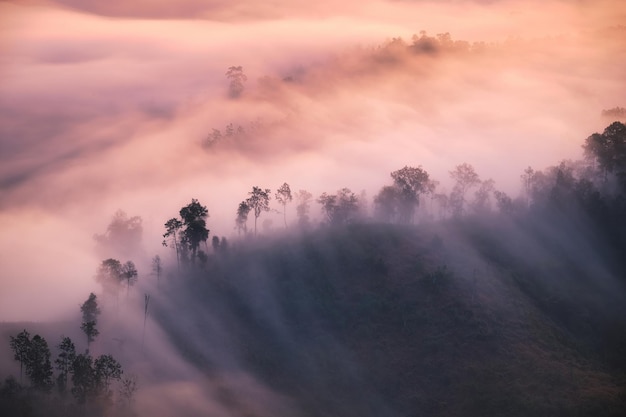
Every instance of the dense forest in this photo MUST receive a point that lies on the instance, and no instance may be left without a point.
(418, 302)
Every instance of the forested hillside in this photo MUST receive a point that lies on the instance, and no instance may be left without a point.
(487, 306)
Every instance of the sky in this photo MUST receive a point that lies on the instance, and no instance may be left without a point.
(106, 105)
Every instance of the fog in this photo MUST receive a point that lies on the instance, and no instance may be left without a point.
(108, 105)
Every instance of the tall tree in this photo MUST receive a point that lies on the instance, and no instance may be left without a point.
(465, 178)
(63, 362)
(386, 203)
(123, 235)
(341, 207)
(241, 222)
(129, 273)
(20, 346)
(259, 201)
(106, 368)
(303, 197)
(38, 367)
(608, 149)
(172, 227)
(83, 378)
(411, 182)
(236, 79)
(157, 268)
(194, 221)
(90, 312)
(109, 275)
(284, 197)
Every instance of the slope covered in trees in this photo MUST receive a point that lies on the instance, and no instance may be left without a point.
(462, 319)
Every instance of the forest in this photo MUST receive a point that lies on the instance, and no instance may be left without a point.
(414, 302)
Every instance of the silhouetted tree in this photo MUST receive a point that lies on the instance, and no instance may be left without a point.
(223, 245)
(20, 346)
(172, 227)
(303, 197)
(64, 361)
(106, 368)
(109, 275)
(259, 201)
(284, 197)
(482, 196)
(83, 378)
(38, 367)
(465, 178)
(339, 208)
(386, 203)
(411, 182)
(123, 235)
(608, 150)
(241, 222)
(129, 273)
(194, 217)
(236, 79)
(215, 243)
(90, 313)
(127, 390)
(157, 267)
(527, 180)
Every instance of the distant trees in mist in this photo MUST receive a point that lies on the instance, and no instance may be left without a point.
(236, 79)
(123, 235)
(89, 379)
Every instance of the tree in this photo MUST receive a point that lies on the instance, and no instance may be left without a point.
(259, 201)
(482, 196)
(241, 222)
(109, 275)
(194, 217)
(386, 203)
(106, 368)
(303, 197)
(527, 180)
(90, 312)
(237, 78)
(63, 362)
(123, 235)
(411, 182)
(284, 197)
(20, 346)
(215, 243)
(157, 267)
(83, 378)
(129, 273)
(465, 178)
(608, 149)
(339, 208)
(172, 226)
(127, 390)
(38, 367)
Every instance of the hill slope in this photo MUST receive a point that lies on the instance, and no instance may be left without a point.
(378, 320)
